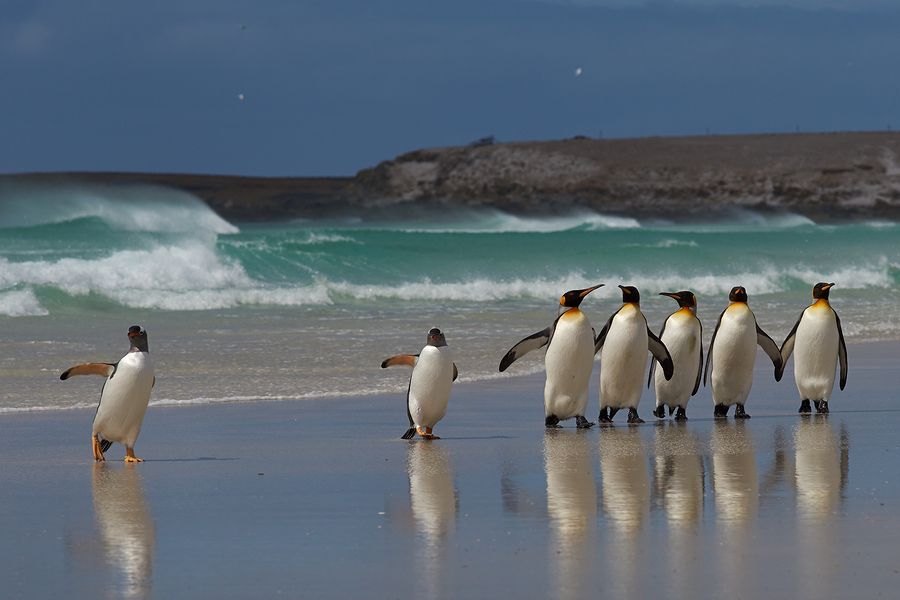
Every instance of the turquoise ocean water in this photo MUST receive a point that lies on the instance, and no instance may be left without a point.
(249, 312)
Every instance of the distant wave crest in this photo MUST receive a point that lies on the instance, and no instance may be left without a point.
(129, 208)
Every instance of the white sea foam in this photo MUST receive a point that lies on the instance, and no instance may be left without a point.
(128, 207)
(665, 244)
(20, 303)
(495, 221)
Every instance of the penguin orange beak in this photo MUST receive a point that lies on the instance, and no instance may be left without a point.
(828, 286)
(587, 291)
(670, 294)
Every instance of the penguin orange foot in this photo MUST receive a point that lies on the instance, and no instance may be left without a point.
(130, 457)
(95, 447)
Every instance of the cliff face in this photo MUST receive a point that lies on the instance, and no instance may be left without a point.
(823, 176)
(820, 175)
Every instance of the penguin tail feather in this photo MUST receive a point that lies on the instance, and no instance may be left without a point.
(104, 445)
(409, 434)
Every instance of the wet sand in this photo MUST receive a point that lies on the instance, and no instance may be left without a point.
(320, 499)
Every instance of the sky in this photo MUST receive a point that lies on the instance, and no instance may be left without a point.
(326, 88)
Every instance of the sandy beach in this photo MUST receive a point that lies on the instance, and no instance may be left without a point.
(321, 499)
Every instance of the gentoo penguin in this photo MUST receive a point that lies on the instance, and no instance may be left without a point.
(124, 397)
(819, 343)
(623, 345)
(732, 353)
(433, 370)
(568, 361)
(682, 334)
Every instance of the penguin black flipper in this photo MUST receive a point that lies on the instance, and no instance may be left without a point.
(771, 348)
(532, 342)
(104, 445)
(787, 347)
(103, 369)
(412, 426)
(455, 372)
(661, 354)
(653, 364)
(699, 367)
(711, 342)
(601, 337)
(842, 350)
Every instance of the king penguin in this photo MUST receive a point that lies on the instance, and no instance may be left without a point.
(682, 334)
(124, 397)
(623, 344)
(818, 341)
(732, 353)
(433, 371)
(569, 360)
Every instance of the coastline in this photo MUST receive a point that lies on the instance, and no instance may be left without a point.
(268, 498)
(823, 176)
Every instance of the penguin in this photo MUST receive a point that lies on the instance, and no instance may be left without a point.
(433, 371)
(124, 397)
(682, 334)
(568, 362)
(623, 344)
(819, 341)
(732, 353)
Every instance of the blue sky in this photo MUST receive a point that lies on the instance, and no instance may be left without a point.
(334, 86)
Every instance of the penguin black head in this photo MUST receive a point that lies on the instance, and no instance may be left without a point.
(630, 294)
(685, 298)
(738, 294)
(436, 338)
(820, 291)
(137, 335)
(573, 298)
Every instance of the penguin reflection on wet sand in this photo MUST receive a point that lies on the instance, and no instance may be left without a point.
(126, 527)
(623, 344)
(433, 372)
(682, 335)
(568, 362)
(817, 343)
(732, 353)
(124, 397)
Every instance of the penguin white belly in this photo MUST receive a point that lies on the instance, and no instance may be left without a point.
(816, 353)
(734, 353)
(568, 362)
(429, 386)
(682, 338)
(623, 360)
(124, 399)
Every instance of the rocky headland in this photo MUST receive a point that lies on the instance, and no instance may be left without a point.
(830, 176)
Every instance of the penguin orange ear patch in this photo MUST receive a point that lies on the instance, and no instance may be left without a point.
(103, 369)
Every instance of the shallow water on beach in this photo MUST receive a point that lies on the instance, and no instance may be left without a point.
(307, 309)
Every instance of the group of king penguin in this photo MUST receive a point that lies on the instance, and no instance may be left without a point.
(816, 342)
